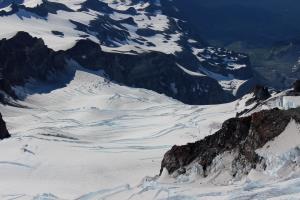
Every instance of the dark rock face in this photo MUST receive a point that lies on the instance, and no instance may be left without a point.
(260, 93)
(23, 57)
(129, 21)
(244, 135)
(297, 86)
(96, 5)
(6, 87)
(296, 89)
(154, 70)
(108, 30)
(265, 126)
(3, 130)
(129, 11)
(87, 54)
(233, 131)
(146, 32)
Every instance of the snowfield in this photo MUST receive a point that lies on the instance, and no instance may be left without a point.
(93, 139)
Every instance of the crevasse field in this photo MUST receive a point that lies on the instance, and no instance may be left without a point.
(93, 139)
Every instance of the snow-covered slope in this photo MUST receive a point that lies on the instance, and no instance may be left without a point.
(114, 24)
(93, 139)
(126, 27)
(77, 133)
(92, 135)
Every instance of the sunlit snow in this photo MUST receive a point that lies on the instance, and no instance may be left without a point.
(93, 139)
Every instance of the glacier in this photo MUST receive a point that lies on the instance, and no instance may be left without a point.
(95, 139)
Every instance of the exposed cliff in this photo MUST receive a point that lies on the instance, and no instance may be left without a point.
(239, 136)
(24, 57)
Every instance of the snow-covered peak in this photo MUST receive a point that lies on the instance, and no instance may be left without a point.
(133, 28)
(123, 26)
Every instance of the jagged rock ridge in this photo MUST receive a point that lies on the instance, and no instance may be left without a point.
(243, 135)
(149, 30)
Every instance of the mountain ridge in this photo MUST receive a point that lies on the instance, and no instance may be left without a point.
(149, 31)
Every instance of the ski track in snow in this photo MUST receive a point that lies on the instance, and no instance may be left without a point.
(98, 140)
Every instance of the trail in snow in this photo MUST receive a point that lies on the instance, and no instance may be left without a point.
(97, 140)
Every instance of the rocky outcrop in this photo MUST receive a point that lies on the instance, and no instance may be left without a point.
(297, 86)
(260, 93)
(87, 53)
(243, 135)
(232, 133)
(23, 57)
(3, 130)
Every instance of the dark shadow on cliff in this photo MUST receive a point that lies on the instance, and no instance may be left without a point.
(25, 59)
